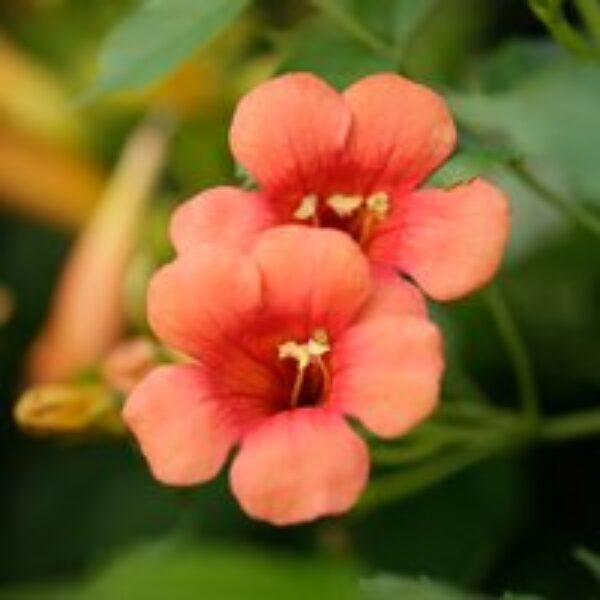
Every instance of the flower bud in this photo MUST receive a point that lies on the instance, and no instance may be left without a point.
(87, 314)
(69, 410)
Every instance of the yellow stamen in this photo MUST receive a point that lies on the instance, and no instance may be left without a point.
(305, 354)
(344, 206)
(295, 395)
(378, 204)
(377, 207)
(299, 352)
(369, 211)
(307, 209)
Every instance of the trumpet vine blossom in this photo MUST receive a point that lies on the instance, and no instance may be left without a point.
(286, 342)
(356, 161)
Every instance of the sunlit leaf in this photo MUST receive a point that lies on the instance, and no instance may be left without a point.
(186, 572)
(158, 36)
(548, 117)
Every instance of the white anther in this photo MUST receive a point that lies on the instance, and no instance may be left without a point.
(344, 206)
(307, 207)
(316, 346)
(379, 204)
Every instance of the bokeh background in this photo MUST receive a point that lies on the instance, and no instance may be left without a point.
(80, 514)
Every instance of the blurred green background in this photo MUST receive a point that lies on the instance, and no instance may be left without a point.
(513, 524)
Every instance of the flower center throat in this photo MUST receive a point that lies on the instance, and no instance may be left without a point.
(311, 380)
(362, 213)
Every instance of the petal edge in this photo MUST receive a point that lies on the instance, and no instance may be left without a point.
(298, 466)
(450, 241)
(184, 434)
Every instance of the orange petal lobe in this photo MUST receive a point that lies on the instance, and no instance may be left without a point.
(298, 466)
(401, 131)
(450, 241)
(387, 371)
(222, 215)
(184, 433)
(289, 133)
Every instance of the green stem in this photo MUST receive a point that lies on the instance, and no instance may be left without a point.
(475, 413)
(346, 22)
(459, 383)
(517, 351)
(562, 31)
(590, 13)
(410, 481)
(571, 426)
(397, 455)
(571, 39)
(583, 218)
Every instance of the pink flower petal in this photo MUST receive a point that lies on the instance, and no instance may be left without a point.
(386, 372)
(393, 296)
(298, 466)
(451, 242)
(401, 131)
(183, 432)
(317, 277)
(289, 133)
(222, 215)
(202, 296)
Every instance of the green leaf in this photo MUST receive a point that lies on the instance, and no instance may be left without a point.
(548, 9)
(547, 117)
(514, 62)
(247, 182)
(392, 587)
(388, 587)
(392, 22)
(408, 17)
(512, 596)
(444, 38)
(187, 572)
(157, 37)
(590, 560)
(333, 55)
(42, 591)
(477, 510)
(468, 164)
